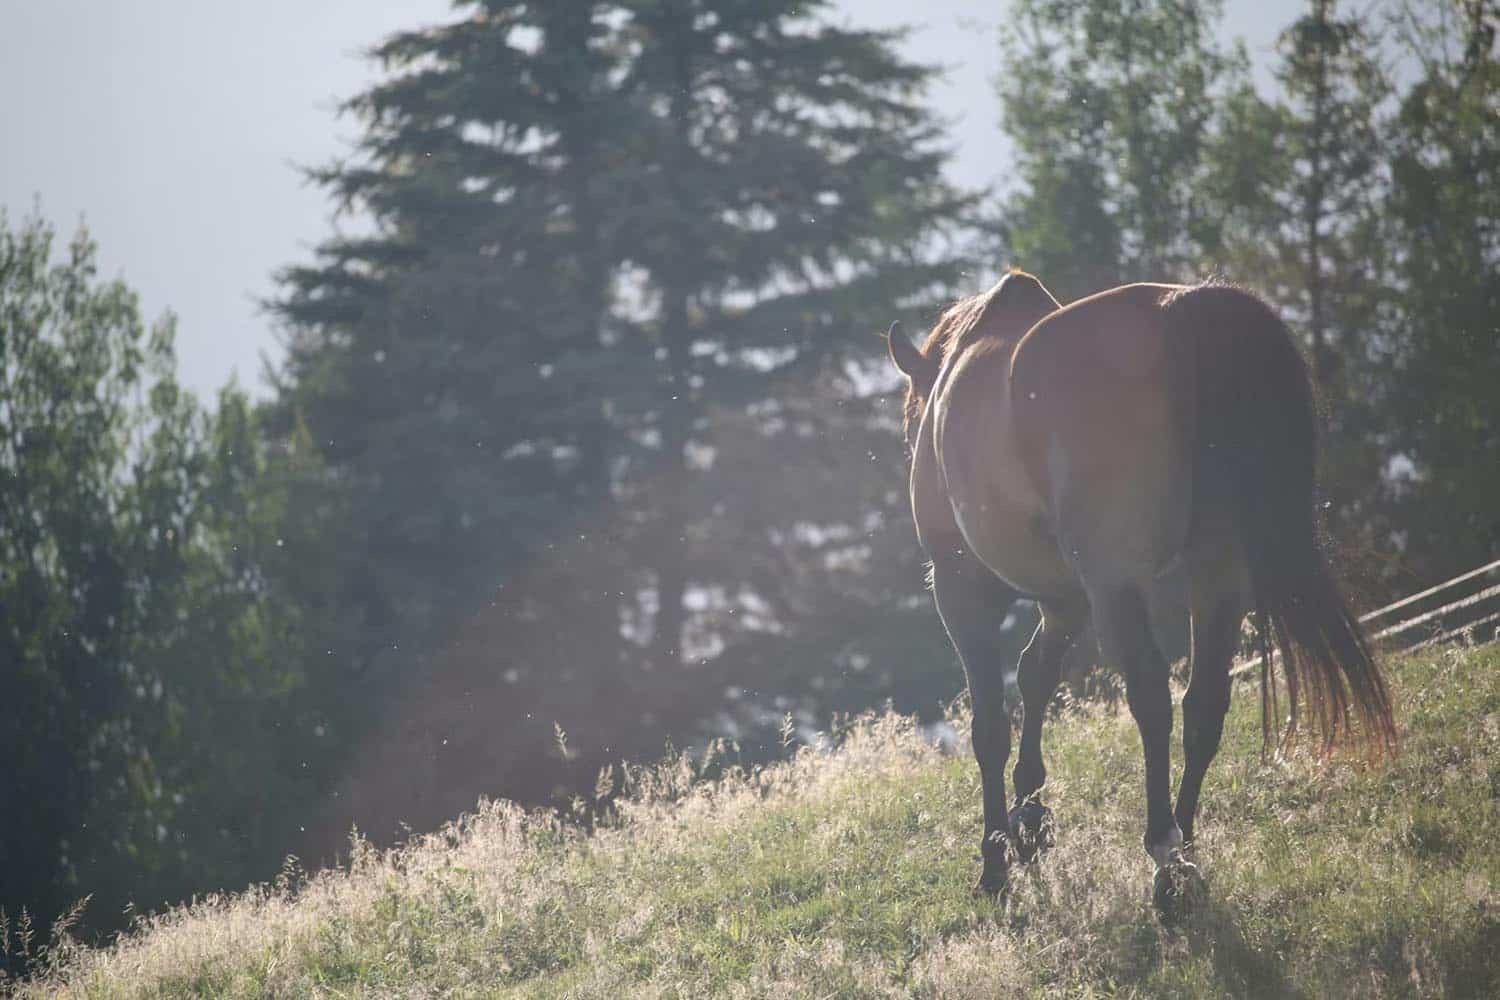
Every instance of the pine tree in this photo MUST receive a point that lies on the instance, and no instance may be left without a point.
(609, 239)
(1334, 88)
(785, 179)
(418, 356)
(1325, 259)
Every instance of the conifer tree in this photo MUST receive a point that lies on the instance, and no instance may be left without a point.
(1334, 87)
(785, 178)
(1324, 260)
(432, 359)
(608, 239)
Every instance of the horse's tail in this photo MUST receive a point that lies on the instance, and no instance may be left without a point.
(1255, 449)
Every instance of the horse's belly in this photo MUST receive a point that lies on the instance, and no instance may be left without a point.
(997, 507)
(1013, 540)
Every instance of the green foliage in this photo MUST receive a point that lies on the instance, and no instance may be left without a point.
(1326, 260)
(145, 664)
(1117, 112)
(1366, 214)
(847, 873)
(1442, 410)
(77, 590)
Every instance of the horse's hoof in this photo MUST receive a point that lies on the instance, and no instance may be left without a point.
(994, 876)
(991, 886)
(1032, 829)
(1176, 890)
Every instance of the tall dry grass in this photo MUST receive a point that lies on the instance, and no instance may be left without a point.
(846, 872)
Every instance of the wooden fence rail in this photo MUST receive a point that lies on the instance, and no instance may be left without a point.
(1457, 616)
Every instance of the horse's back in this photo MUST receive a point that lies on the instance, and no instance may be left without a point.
(1114, 333)
(1102, 416)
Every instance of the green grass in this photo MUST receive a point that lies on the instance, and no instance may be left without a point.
(847, 874)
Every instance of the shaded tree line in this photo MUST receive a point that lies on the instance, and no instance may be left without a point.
(583, 439)
(151, 699)
(1359, 197)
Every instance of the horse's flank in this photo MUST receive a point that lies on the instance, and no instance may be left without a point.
(975, 457)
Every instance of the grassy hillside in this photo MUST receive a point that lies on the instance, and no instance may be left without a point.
(847, 874)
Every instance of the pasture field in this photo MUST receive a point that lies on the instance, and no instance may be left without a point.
(846, 873)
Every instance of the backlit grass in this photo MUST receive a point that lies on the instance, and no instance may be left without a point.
(847, 874)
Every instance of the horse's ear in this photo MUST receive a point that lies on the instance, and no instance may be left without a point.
(905, 356)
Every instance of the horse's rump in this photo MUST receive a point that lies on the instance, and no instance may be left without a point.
(1099, 420)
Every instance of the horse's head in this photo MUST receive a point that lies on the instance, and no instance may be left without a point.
(1006, 311)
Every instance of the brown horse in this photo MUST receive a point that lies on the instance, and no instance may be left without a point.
(1082, 456)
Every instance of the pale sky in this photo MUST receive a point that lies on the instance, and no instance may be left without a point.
(174, 128)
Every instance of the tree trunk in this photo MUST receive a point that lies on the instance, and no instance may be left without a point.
(1312, 210)
(672, 510)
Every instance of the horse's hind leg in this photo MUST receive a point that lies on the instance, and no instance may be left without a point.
(1038, 675)
(1124, 627)
(1216, 616)
(972, 602)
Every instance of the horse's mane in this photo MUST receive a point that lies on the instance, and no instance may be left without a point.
(956, 323)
